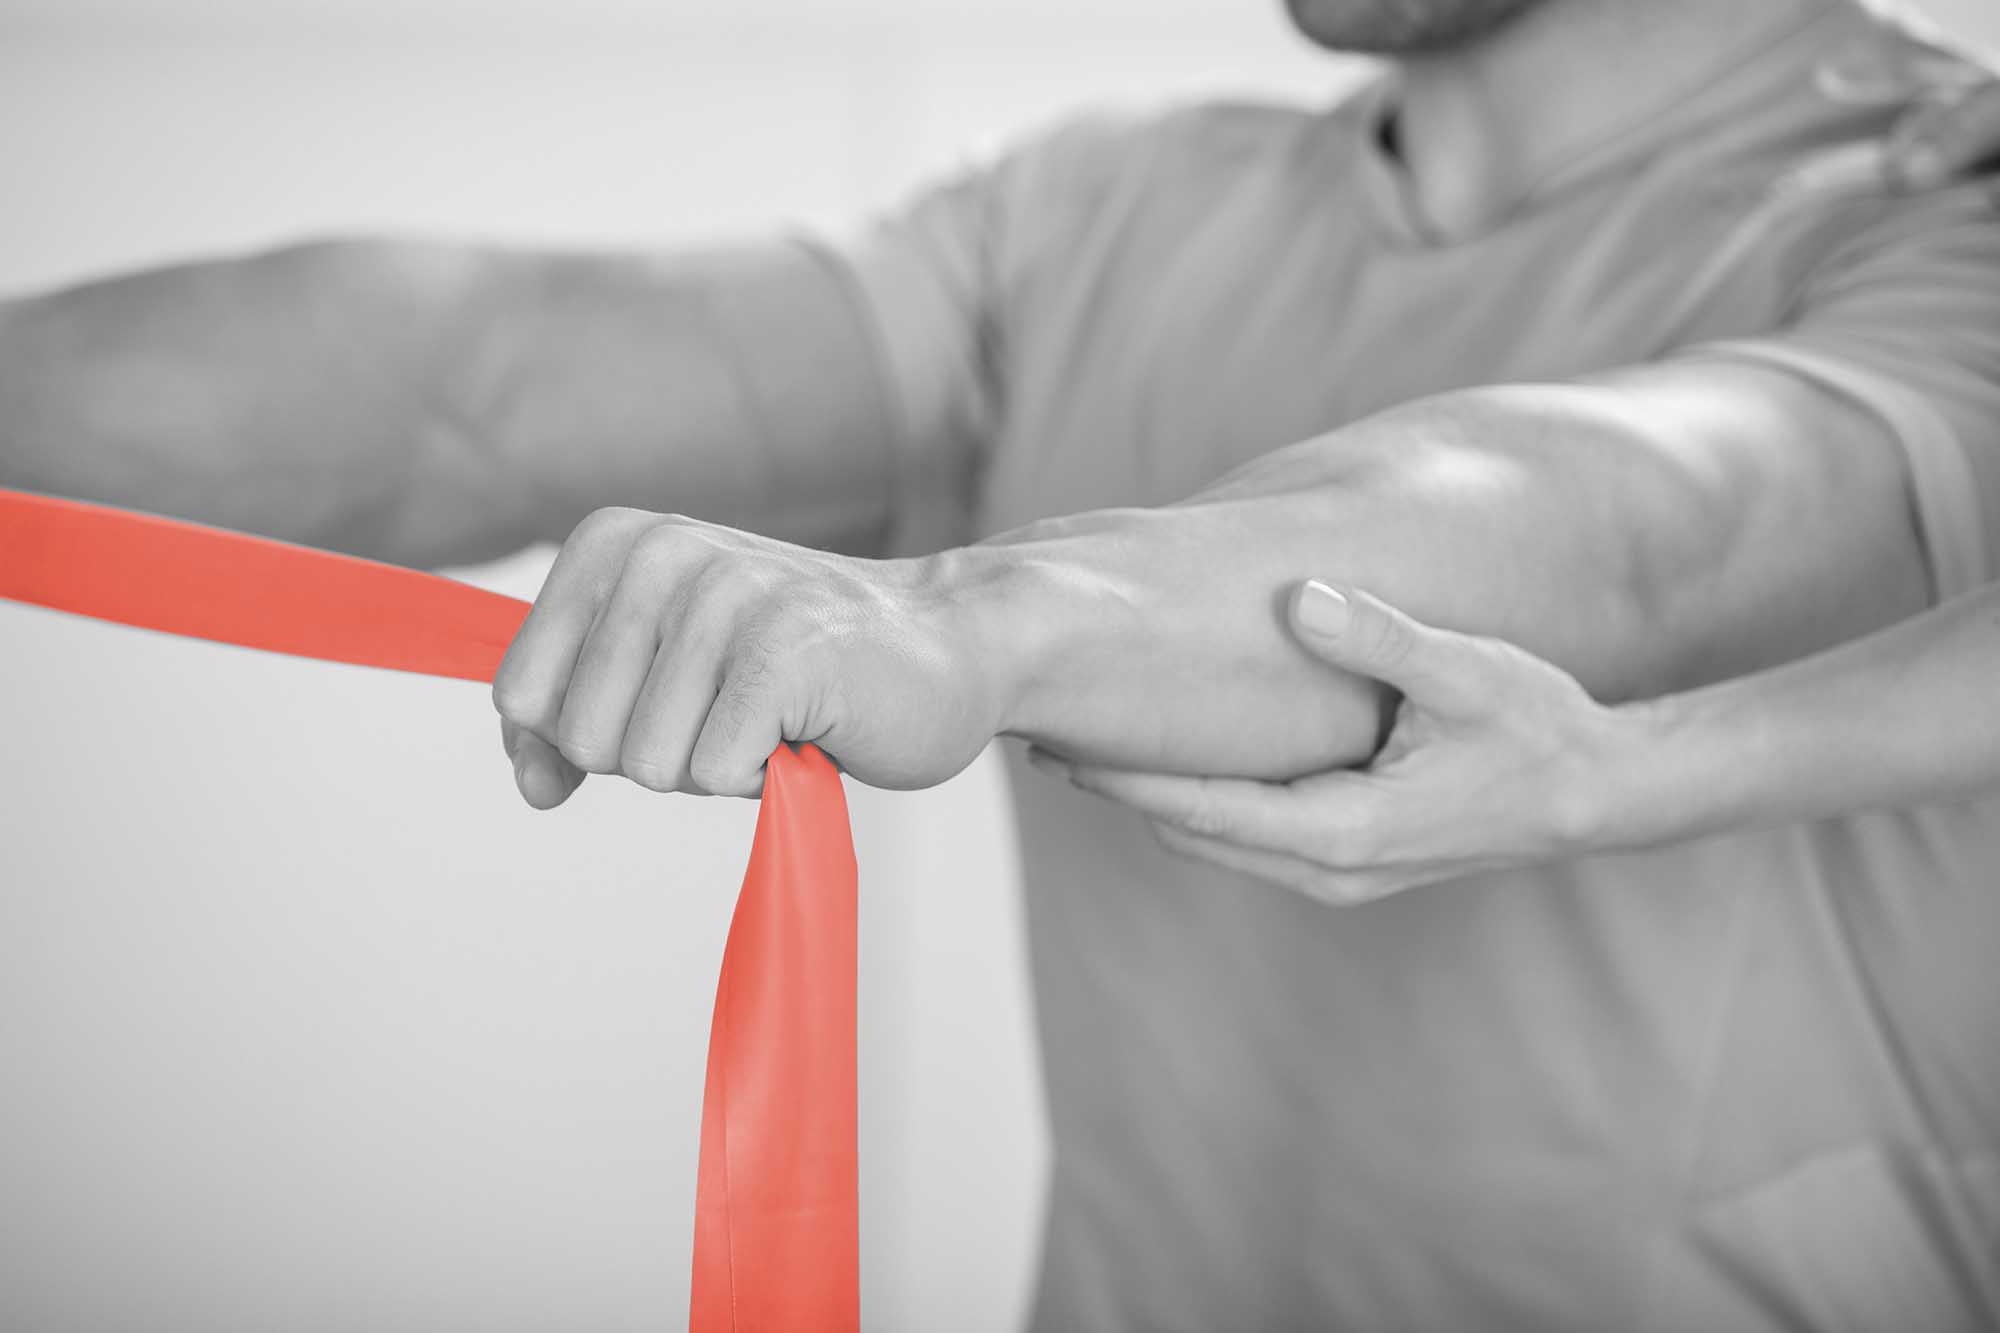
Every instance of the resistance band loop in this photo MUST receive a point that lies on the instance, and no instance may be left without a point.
(776, 1241)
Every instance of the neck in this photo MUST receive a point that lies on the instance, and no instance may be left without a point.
(1480, 124)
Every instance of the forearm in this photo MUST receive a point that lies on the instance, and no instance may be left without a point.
(1905, 715)
(435, 404)
(1567, 518)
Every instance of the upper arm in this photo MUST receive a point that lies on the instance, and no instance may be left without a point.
(796, 386)
(1847, 462)
(1649, 528)
(941, 283)
(1762, 516)
(732, 383)
(1901, 326)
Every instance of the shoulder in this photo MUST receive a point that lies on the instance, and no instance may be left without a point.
(1117, 170)
(1190, 143)
(1804, 184)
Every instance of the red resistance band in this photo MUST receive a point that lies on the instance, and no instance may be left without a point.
(776, 1234)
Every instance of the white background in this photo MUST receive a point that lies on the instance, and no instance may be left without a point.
(305, 1021)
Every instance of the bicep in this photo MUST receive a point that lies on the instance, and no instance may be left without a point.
(1838, 471)
(1649, 528)
(1773, 515)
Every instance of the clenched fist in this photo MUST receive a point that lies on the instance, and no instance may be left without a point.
(680, 654)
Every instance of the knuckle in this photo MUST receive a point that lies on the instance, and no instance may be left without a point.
(514, 702)
(663, 546)
(1395, 640)
(590, 752)
(1204, 818)
(633, 612)
(649, 772)
(732, 580)
(708, 771)
(601, 523)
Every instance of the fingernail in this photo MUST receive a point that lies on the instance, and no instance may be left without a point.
(1922, 166)
(1322, 610)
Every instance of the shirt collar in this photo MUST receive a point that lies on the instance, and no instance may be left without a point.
(1776, 70)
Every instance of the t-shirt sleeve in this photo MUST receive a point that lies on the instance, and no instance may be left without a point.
(1903, 317)
(932, 279)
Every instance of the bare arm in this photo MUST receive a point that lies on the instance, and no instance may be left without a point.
(1907, 715)
(1649, 530)
(429, 403)
(1498, 758)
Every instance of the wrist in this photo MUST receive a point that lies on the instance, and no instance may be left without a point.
(1025, 614)
(1676, 772)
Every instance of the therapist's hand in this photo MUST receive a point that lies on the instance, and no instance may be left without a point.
(1494, 758)
(1954, 137)
(680, 653)
(1952, 131)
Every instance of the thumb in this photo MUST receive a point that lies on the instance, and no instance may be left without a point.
(544, 777)
(1947, 140)
(1438, 670)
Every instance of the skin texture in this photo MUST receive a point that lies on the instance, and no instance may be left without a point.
(1499, 759)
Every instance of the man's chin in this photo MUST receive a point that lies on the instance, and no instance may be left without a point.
(1401, 27)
